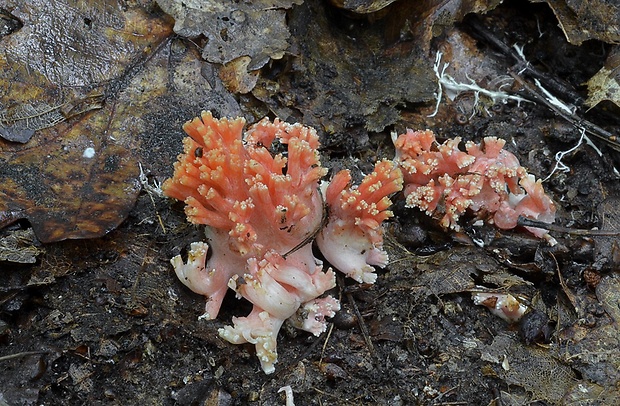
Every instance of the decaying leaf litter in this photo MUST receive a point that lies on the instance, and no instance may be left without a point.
(103, 319)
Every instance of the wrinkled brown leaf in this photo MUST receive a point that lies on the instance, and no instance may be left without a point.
(236, 77)
(605, 85)
(596, 352)
(256, 29)
(453, 271)
(77, 179)
(362, 6)
(588, 393)
(608, 293)
(19, 122)
(582, 20)
(531, 367)
(607, 251)
(19, 246)
(76, 43)
(347, 75)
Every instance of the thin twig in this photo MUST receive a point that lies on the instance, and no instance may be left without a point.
(315, 232)
(363, 328)
(22, 354)
(526, 222)
(523, 68)
(573, 118)
(522, 65)
(329, 334)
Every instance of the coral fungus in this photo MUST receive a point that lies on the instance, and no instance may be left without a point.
(353, 238)
(262, 211)
(278, 289)
(442, 179)
(234, 185)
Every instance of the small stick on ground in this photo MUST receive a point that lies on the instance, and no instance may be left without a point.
(525, 222)
(363, 329)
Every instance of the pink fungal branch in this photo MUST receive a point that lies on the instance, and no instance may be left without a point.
(352, 241)
(442, 180)
(278, 289)
(262, 210)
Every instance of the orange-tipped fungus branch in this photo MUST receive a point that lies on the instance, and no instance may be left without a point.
(352, 240)
(442, 180)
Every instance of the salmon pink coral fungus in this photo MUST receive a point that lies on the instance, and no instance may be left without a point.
(352, 240)
(235, 186)
(278, 287)
(262, 211)
(441, 179)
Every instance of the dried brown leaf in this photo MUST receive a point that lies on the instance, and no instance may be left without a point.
(234, 29)
(19, 122)
(453, 271)
(79, 43)
(605, 84)
(591, 394)
(20, 246)
(607, 247)
(362, 6)
(533, 368)
(595, 353)
(582, 20)
(77, 179)
(608, 293)
(236, 77)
